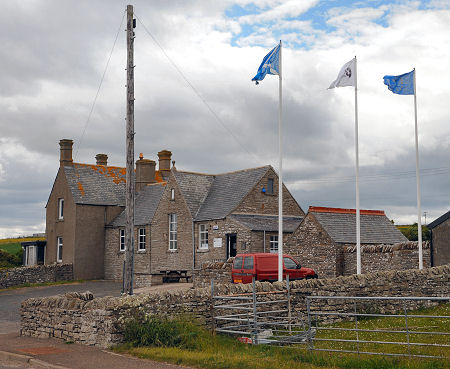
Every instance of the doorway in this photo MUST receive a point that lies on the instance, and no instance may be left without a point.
(231, 245)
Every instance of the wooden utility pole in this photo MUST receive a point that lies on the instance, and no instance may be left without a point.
(130, 190)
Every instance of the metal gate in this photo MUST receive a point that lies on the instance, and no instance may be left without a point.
(337, 323)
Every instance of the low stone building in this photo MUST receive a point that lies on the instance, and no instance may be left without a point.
(324, 236)
(440, 240)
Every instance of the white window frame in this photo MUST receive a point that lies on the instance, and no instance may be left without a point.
(172, 194)
(142, 243)
(173, 232)
(274, 244)
(122, 240)
(203, 237)
(60, 209)
(59, 249)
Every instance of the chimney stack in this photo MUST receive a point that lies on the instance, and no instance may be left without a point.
(164, 161)
(65, 152)
(102, 159)
(145, 172)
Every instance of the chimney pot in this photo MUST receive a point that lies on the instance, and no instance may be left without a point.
(102, 159)
(65, 152)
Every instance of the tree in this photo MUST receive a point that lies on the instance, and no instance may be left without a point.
(411, 232)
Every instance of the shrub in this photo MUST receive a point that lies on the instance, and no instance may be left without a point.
(8, 260)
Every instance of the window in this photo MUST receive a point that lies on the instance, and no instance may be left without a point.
(289, 263)
(59, 249)
(238, 262)
(270, 185)
(141, 239)
(203, 230)
(248, 262)
(60, 208)
(172, 194)
(172, 232)
(273, 243)
(122, 240)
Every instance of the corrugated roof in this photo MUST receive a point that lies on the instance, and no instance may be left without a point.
(375, 228)
(194, 187)
(268, 223)
(146, 204)
(227, 191)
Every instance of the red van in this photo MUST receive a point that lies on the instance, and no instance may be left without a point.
(264, 267)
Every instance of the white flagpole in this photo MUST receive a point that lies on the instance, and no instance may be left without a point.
(280, 179)
(419, 220)
(358, 225)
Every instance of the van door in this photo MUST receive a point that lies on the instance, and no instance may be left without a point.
(248, 269)
(236, 272)
(291, 268)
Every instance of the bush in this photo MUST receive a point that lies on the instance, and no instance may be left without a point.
(8, 260)
(163, 331)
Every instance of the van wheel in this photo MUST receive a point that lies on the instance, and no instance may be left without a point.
(309, 277)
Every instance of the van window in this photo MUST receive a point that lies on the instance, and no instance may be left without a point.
(248, 262)
(289, 263)
(238, 263)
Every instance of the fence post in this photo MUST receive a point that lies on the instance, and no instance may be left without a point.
(406, 325)
(309, 333)
(213, 322)
(356, 327)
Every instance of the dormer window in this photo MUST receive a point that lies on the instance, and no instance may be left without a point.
(60, 208)
(172, 194)
(270, 186)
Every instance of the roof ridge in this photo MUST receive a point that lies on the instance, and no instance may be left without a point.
(321, 209)
(196, 173)
(221, 174)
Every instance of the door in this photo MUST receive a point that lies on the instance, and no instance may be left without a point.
(231, 245)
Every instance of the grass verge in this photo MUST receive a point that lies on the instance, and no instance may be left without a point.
(157, 338)
(43, 284)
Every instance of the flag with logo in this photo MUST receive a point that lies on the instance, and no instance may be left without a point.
(346, 76)
(402, 84)
(269, 65)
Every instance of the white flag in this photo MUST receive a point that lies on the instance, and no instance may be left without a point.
(346, 76)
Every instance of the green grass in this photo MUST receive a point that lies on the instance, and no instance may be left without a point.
(206, 350)
(11, 248)
(43, 284)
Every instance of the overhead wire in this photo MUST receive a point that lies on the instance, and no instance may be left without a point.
(99, 86)
(194, 89)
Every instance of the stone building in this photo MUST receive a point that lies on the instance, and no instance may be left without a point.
(320, 241)
(196, 218)
(440, 240)
(83, 200)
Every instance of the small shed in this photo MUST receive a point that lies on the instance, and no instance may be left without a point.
(33, 252)
(440, 240)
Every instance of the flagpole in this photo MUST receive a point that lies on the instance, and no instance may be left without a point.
(419, 220)
(358, 225)
(280, 179)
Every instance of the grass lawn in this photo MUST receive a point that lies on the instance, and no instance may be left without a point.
(205, 350)
(12, 245)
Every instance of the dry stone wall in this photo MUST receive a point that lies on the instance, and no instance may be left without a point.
(35, 274)
(98, 322)
(220, 272)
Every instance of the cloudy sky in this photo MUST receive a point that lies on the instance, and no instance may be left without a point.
(194, 62)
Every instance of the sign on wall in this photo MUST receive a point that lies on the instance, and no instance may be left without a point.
(217, 242)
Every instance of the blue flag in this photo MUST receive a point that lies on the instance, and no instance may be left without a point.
(270, 64)
(401, 85)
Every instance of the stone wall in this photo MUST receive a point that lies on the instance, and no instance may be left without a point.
(400, 256)
(220, 272)
(35, 274)
(98, 322)
(441, 240)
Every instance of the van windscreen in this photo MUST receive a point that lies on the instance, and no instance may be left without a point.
(248, 262)
(238, 262)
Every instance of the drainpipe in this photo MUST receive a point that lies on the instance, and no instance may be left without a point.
(264, 241)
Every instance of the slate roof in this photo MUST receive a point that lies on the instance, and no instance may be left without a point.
(340, 224)
(96, 184)
(227, 191)
(146, 203)
(268, 223)
(194, 187)
(439, 220)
